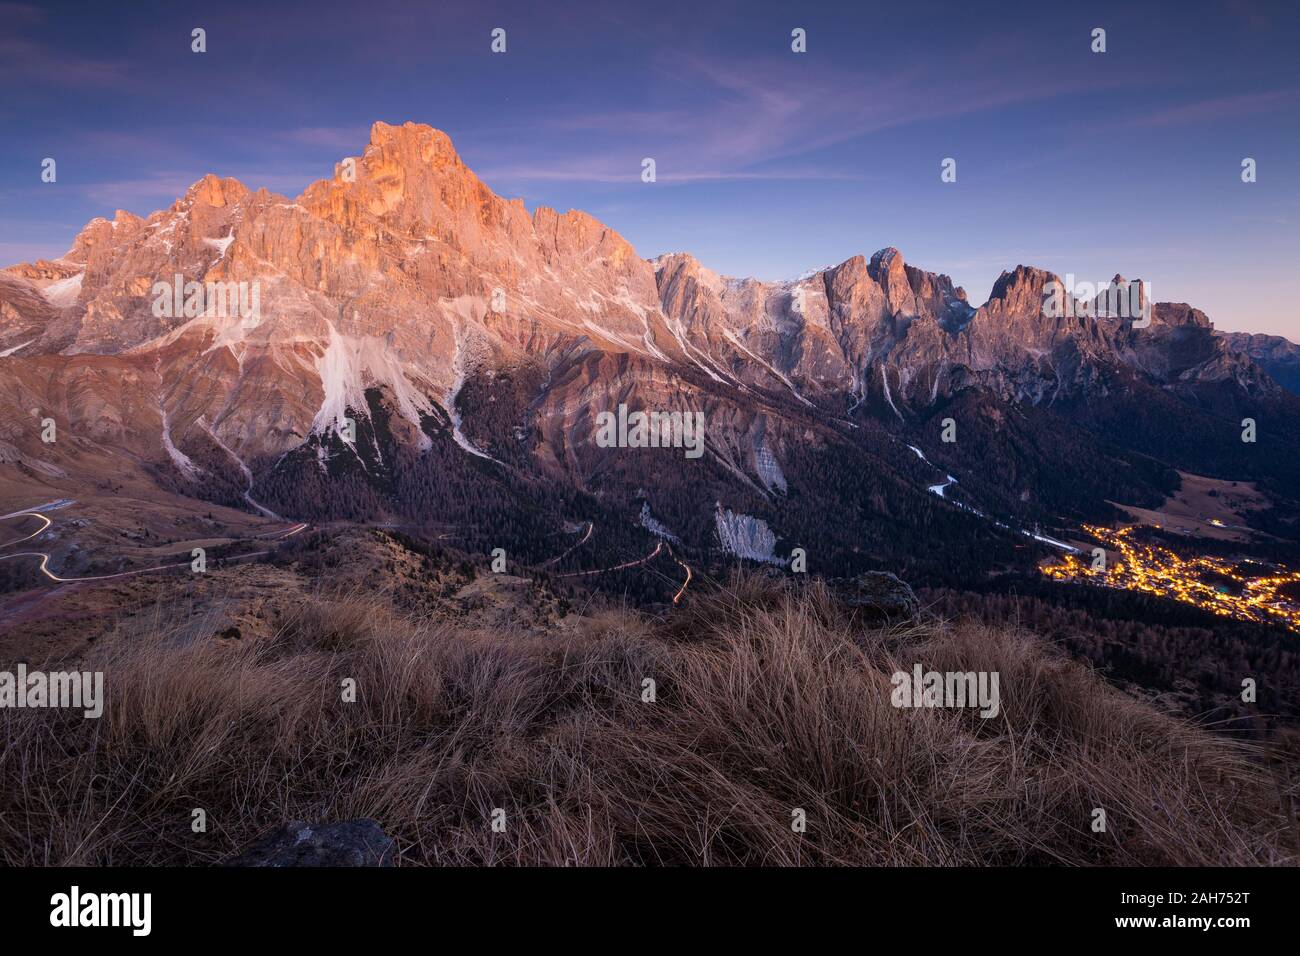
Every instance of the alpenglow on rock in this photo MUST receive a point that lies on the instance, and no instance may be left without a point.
(451, 326)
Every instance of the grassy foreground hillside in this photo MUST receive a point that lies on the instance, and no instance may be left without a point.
(769, 699)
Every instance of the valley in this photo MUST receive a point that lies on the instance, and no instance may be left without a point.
(710, 435)
(456, 399)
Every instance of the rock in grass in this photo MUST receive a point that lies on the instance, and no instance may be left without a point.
(879, 594)
(347, 843)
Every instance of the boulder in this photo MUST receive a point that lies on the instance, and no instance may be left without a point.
(347, 843)
(878, 594)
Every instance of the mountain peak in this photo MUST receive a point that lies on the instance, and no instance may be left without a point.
(213, 190)
(1022, 280)
(411, 145)
(384, 134)
(887, 258)
(412, 172)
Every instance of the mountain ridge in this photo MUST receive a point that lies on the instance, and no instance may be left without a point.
(459, 332)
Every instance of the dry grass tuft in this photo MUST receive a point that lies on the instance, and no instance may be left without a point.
(768, 699)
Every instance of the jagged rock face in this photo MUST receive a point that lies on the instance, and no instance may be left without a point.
(1274, 354)
(742, 330)
(382, 276)
(405, 276)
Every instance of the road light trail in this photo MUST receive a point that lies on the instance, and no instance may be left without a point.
(659, 547)
(567, 552)
(45, 569)
(619, 567)
(25, 514)
(279, 535)
(685, 584)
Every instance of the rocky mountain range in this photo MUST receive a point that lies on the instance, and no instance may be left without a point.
(400, 343)
(1277, 356)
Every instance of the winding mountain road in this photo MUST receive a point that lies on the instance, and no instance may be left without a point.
(659, 548)
(689, 574)
(619, 567)
(278, 535)
(25, 514)
(560, 557)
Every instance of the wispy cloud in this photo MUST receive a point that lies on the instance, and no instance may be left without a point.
(1220, 108)
(600, 171)
(24, 59)
(751, 119)
(157, 189)
(345, 139)
(16, 14)
(11, 253)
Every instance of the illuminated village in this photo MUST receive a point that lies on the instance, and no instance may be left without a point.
(1225, 587)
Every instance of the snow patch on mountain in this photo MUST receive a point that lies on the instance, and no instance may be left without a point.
(809, 273)
(181, 460)
(768, 468)
(459, 363)
(221, 245)
(243, 469)
(940, 488)
(606, 335)
(10, 351)
(679, 333)
(1061, 545)
(655, 526)
(857, 390)
(746, 536)
(735, 340)
(884, 378)
(349, 366)
(64, 293)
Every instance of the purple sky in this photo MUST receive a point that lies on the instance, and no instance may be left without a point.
(769, 162)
